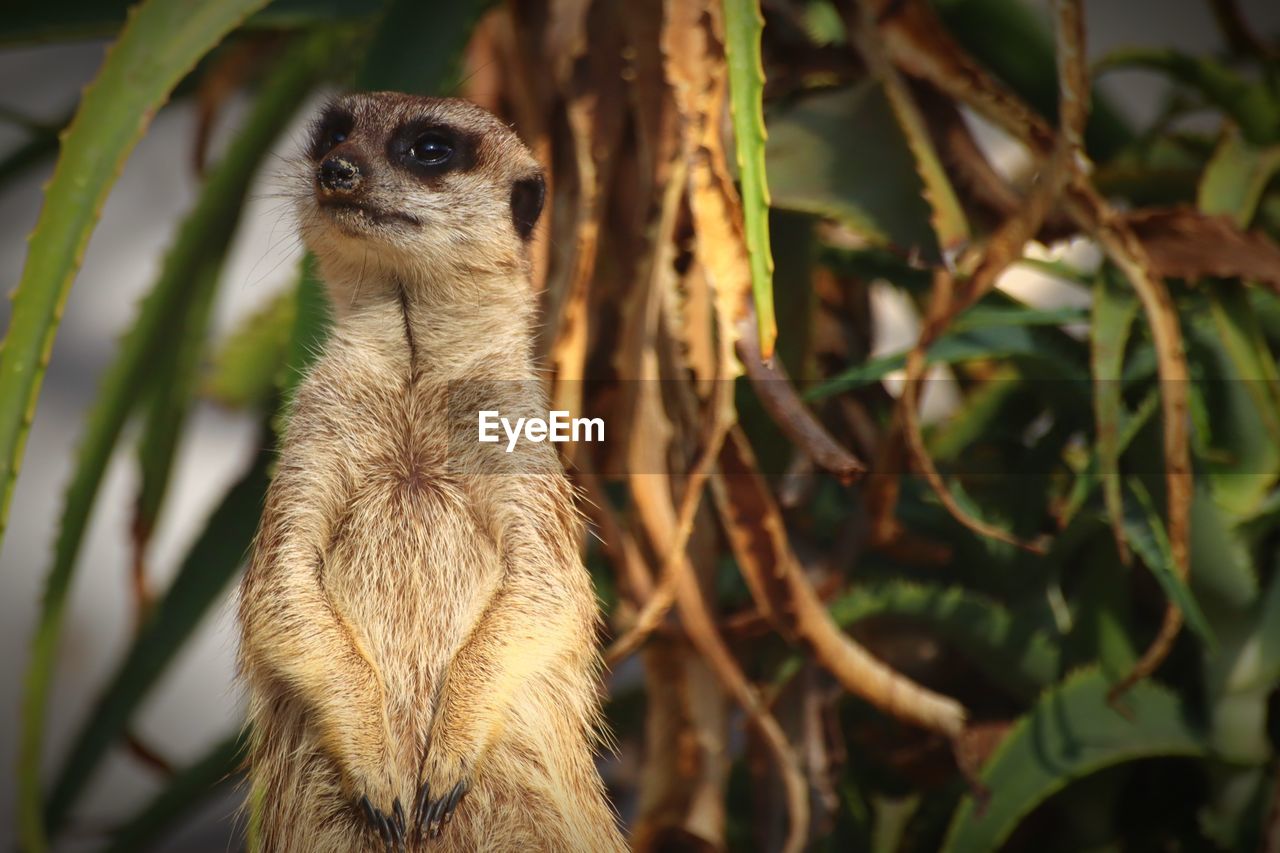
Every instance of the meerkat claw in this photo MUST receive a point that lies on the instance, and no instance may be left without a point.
(459, 790)
(398, 825)
(389, 828)
(420, 812)
(442, 809)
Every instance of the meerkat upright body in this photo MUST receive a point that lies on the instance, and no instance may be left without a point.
(418, 631)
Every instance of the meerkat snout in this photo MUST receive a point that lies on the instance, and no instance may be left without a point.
(338, 174)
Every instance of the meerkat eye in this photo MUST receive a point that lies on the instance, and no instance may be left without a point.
(431, 149)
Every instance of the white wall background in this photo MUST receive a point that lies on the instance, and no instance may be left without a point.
(196, 703)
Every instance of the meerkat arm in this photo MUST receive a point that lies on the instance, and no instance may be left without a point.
(509, 646)
(294, 637)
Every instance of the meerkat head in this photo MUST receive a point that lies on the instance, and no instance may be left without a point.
(417, 188)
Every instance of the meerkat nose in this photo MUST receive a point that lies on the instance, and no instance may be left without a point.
(338, 173)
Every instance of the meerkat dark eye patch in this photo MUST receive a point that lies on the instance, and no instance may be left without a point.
(428, 149)
(331, 130)
(527, 196)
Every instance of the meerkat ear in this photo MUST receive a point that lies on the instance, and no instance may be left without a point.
(527, 195)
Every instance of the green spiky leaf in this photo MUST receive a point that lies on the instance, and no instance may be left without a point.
(1070, 733)
(149, 344)
(245, 369)
(743, 27)
(1144, 530)
(180, 795)
(161, 42)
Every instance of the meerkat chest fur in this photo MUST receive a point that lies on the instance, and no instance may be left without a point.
(413, 557)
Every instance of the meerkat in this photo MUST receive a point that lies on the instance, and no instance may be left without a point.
(418, 633)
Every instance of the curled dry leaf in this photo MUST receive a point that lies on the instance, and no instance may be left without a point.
(694, 61)
(595, 118)
(987, 263)
(1127, 251)
(513, 41)
(226, 75)
(1181, 242)
(1073, 75)
(674, 560)
(919, 44)
(971, 171)
(616, 540)
(789, 412)
(660, 522)
(1129, 254)
(909, 413)
(783, 593)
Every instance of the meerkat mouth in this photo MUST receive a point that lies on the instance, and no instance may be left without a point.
(345, 211)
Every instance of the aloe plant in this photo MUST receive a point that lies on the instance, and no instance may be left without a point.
(853, 174)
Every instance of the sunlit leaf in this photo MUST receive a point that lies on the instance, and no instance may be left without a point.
(743, 26)
(1233, 182)
(161, 43)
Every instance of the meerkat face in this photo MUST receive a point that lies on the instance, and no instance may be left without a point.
(411, 183)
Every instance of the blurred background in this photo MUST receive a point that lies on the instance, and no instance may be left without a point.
(904, 792)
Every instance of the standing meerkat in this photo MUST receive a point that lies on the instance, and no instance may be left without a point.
(418, 630)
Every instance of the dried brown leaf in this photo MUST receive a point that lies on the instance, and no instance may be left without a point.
(1073, 74)
(976, 745)
(1181, 242)
(700, 628)
(618, 544)
(908, 408)
(594, 105)
(686, 767)
(784, 595)
(231, 68)
(674, 560)
(972, 173)
(919, 44)
(659, 520)
(1128, 253)
(782, 402)
(515, 30)
(694, 60)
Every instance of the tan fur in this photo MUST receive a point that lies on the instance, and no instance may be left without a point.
(416, 609)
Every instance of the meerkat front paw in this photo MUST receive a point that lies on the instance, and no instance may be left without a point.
(433, 813)
(389, 827)
(374, 789)
(445, 783)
